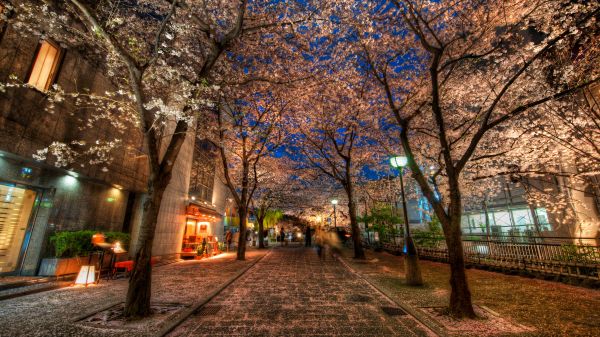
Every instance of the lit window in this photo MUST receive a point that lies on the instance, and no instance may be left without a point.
(44, 66)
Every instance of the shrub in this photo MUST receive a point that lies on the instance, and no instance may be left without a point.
(118, 236)
(576, 253)
(79, 243)
(431, 237)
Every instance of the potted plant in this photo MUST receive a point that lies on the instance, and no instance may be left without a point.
(72, 249)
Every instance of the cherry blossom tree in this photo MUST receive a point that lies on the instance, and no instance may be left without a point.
(166, 59)
(454, 76)
(247, 127)
(275, 191)
(143, 58)
(331, 128)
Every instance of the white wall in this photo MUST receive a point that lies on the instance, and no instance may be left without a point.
(220, 194)
(171, 218)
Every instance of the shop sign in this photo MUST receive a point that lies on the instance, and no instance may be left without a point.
(198, 212)
(193, 210)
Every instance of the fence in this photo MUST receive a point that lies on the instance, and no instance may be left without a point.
(546, 255)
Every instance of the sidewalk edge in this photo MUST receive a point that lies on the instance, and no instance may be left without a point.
(422, 318)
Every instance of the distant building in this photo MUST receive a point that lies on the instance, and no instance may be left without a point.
(207, 207)
(565, 207)
(506, 213)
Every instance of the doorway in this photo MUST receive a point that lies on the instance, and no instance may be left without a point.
(16, 205)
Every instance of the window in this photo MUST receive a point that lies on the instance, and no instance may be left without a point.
(44, 66)
(502, 218)
(542, 215)
(203, 171)
(522, 217)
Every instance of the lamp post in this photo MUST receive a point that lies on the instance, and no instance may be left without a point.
(411, 259)
(334, 202)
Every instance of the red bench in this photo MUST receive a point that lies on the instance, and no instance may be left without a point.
(128, 265)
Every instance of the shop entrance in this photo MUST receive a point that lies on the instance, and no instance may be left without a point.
(15, 210)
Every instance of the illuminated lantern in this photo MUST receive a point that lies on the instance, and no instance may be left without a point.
(86, 276)
(98, 238)
(117, 248)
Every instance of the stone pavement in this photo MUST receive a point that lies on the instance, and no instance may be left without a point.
(291, 292)
(52, 313)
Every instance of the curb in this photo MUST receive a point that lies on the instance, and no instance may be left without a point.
(36, 280)
(420, 317)
(61, 284)
(172, 324)
(110, 305)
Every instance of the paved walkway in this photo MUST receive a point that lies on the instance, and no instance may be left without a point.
(291, 292)
(53, 313)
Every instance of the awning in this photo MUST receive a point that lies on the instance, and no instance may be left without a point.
(194, 210)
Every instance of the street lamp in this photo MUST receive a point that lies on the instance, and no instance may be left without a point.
(334, 202)
(411, 260)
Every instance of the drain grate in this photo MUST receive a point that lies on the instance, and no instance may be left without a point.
(393, 311)
(208, 310)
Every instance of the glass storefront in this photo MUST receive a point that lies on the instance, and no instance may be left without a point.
(199, 237)
(16, 205)
(516, 221)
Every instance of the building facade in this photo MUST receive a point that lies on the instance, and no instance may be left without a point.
(37, 198)
(206, 211)
(507, 213)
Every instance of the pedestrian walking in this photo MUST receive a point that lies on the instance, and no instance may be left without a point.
(333, 243)
(307, 237)
(228, 237)
(282, 235)
(328, 244)
(319, 242)
(203, 249)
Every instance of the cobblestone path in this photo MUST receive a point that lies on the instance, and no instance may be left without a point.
(52, 313)
(291, 292)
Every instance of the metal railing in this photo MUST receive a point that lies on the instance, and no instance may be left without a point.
(550, 255)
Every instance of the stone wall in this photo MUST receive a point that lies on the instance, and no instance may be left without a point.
(26, 127)
(82, 195)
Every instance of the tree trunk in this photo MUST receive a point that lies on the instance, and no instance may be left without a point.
(359, 253)
(460, 296)
(261, 228)
(241, 249)
(137, 303)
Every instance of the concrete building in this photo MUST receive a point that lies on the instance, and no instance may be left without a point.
(507, 212)
(38, 199)
(208, 202)
(567, 204)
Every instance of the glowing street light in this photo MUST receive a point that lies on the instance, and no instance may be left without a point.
(399, 161)
(411, 260)
(334, 202)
